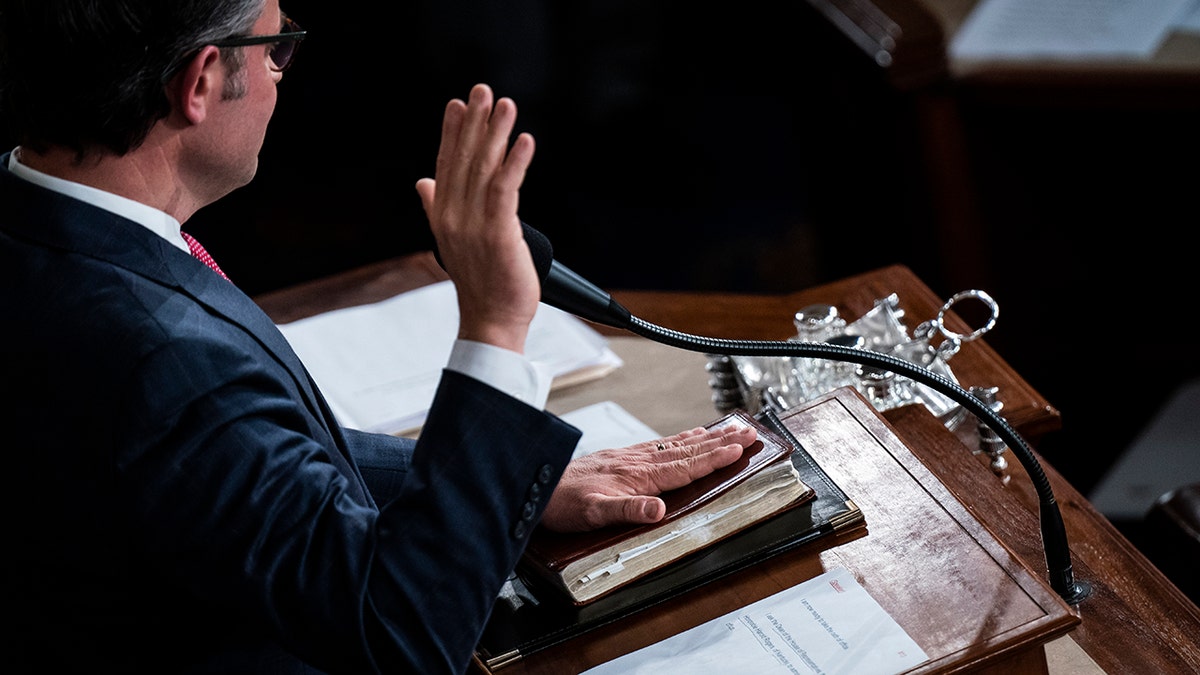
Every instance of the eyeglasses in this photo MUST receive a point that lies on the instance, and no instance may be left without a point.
(283, 52)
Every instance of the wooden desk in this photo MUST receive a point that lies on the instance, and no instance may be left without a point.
(1135, 620)
(733, 316)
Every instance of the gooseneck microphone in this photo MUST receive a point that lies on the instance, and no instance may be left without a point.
(566, 290)
(570, 292)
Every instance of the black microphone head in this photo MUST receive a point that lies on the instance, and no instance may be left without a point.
(540, 248)
(565, 289)
(568, 291)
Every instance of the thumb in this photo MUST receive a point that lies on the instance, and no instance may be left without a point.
(636, 510)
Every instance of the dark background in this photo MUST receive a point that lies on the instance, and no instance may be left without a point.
(749, 148)
(754, 150)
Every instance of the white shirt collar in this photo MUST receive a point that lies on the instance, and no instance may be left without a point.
(159, 222)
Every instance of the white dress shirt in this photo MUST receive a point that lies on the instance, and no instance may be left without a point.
(503, 369)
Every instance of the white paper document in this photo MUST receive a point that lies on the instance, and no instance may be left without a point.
(1067, 29)
(379, 364)
(607, 425)
(828, 625)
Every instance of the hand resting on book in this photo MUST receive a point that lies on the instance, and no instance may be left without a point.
(620, 486)
(588, 565)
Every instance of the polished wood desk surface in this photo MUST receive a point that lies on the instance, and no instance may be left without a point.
(1135, 621)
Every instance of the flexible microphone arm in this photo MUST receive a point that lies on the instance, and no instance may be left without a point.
(566, 290)
(1054, 535)
(570, 292)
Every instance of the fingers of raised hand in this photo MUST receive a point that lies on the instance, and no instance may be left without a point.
(474, 163)
(482, 139)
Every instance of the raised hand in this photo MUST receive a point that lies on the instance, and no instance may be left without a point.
(472, 209)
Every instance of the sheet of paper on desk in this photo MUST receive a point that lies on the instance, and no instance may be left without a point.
(379, 364)
(829, 624)
(1067, 29)
(607, 425)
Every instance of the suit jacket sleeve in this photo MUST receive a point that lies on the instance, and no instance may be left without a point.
(382, 460)
(284, 541)
(497, 461)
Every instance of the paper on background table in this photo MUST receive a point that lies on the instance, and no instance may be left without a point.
(828, 624)
(379, 364)
(1067, 29)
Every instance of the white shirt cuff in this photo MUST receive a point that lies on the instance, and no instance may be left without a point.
(502, 369)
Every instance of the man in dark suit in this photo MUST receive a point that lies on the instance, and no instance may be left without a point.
(181, 499)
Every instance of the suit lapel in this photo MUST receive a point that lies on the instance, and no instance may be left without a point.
(64, 223)
(223, 298)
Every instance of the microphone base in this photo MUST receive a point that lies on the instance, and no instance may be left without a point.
(1075, 593)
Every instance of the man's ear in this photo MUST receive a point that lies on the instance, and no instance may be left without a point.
(198, 85)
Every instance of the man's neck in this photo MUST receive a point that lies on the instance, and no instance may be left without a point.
(136, 176)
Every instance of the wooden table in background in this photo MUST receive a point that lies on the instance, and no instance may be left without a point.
(906, 43)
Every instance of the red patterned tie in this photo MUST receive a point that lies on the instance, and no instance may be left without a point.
(201, 254)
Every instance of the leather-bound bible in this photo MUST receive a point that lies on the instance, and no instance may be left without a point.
(586, 566)
(534, 614)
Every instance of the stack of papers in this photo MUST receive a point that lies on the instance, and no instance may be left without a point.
(379, 365)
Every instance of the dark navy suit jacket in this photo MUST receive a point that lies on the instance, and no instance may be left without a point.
(182, 500)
